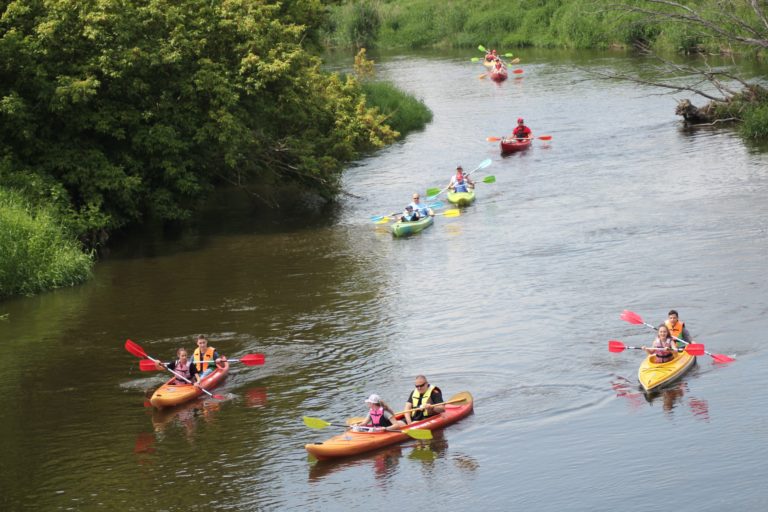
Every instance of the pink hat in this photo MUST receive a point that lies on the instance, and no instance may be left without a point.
(519, 119)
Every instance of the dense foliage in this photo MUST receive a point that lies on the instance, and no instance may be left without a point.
(35, 253)
(117, 110)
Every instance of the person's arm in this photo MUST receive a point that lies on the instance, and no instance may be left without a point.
(436, 398)
(407, 415)
(685, 335)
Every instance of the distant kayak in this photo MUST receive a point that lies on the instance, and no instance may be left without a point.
(653, 376)
(461, 198)
(513, 145)
(408, 228)
(170, 394)
(352, 442)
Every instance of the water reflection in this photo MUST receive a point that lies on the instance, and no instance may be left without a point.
(187, 416)
(669, 398)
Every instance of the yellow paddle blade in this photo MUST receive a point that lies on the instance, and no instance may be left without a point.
(419, 433)
(315, 422)
(354, 420)
(451, 213)
(460, 398)
(383, 221)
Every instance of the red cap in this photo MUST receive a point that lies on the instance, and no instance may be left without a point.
(519, 119)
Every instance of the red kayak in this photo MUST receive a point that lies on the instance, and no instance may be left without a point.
(513, 145)
(499, 76)
(352, 442)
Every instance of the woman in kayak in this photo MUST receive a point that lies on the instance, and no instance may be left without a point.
(376, 418)
(663, 347)
(181, 367)
(459, 182)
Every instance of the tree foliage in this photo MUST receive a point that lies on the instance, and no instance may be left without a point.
(128, 108)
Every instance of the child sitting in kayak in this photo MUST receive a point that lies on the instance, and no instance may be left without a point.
(664, 347)
(409, 215)
(459, 182)
(376, 420)
(181, 367)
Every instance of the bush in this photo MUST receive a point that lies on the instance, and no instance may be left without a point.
(404, 113)
(36, 252)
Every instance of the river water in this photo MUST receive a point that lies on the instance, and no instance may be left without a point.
(514, 300)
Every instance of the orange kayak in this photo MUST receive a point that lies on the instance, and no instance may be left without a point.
(352, 443)
(170, 394)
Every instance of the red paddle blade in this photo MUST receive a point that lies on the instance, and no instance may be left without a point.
(518, 71)
(629, 316)
(493, 139)
(615, 346)
(544, 137)
(219, 397)
(134, 349)
(252, 359)
(695, 349)
(722, 358)
(146, 365)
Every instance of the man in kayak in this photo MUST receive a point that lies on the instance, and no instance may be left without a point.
(459, 182)
(206, 358)
(422, 209)
(677, 328)
(521, 132)
(424, 398)
(181, 367)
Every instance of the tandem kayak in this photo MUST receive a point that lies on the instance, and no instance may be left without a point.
(170, 394)
(352, 442)
(652, 375)
(512, 145)
(400, 228)
(462, 198)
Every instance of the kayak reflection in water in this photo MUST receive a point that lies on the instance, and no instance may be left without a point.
(183, 367)
(423, 398)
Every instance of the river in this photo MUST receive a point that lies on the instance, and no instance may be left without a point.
(514, 300)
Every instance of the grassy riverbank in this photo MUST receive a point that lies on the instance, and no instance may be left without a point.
(36, 252)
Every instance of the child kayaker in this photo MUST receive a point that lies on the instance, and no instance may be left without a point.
(376, 418)
(664, 347)
(182, 366)
(460, 182)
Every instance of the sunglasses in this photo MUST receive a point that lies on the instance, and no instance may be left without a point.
(421, 385)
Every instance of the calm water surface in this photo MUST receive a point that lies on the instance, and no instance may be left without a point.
(514, 301)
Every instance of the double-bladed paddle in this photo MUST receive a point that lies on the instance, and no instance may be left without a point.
(432, 192)
(694, 349)
(383, 219)
(634, 318)
(416, 433)
(147, 365)
(136, 350)
(513, 61)
(497, 139)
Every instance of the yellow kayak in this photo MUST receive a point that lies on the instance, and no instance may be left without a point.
(654, 375)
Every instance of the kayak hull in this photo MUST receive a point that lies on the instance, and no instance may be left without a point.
(409, 228)
(170, 394)
(514, 145)
(498, 77)
(352, 443)
(653, 376)
(461, 198)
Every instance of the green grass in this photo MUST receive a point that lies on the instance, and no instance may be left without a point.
(404, 113)
(36, 252)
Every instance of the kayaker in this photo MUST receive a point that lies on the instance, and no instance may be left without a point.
(409, 215)
(206, 358)
(182, 366)
(498, 67)
(376, 418)
(419, 207)
(677, 328)
(663, 347)
(459, 182)
(425, 395)
(521, 132)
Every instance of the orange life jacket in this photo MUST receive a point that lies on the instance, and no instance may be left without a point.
(208, 358)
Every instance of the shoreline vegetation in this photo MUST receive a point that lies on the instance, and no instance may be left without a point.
(117, 115)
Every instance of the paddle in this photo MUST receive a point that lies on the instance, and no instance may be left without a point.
(453, 212)
(518, 71)
(694, 349)
(136, 350)
(382, 219)
(431, 192)
(482, 165)
(634, 318)
(497, 139)
(416, 433)
(147, 365)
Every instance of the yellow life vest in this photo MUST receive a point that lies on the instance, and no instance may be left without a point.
(421, 399)
(201, 367)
